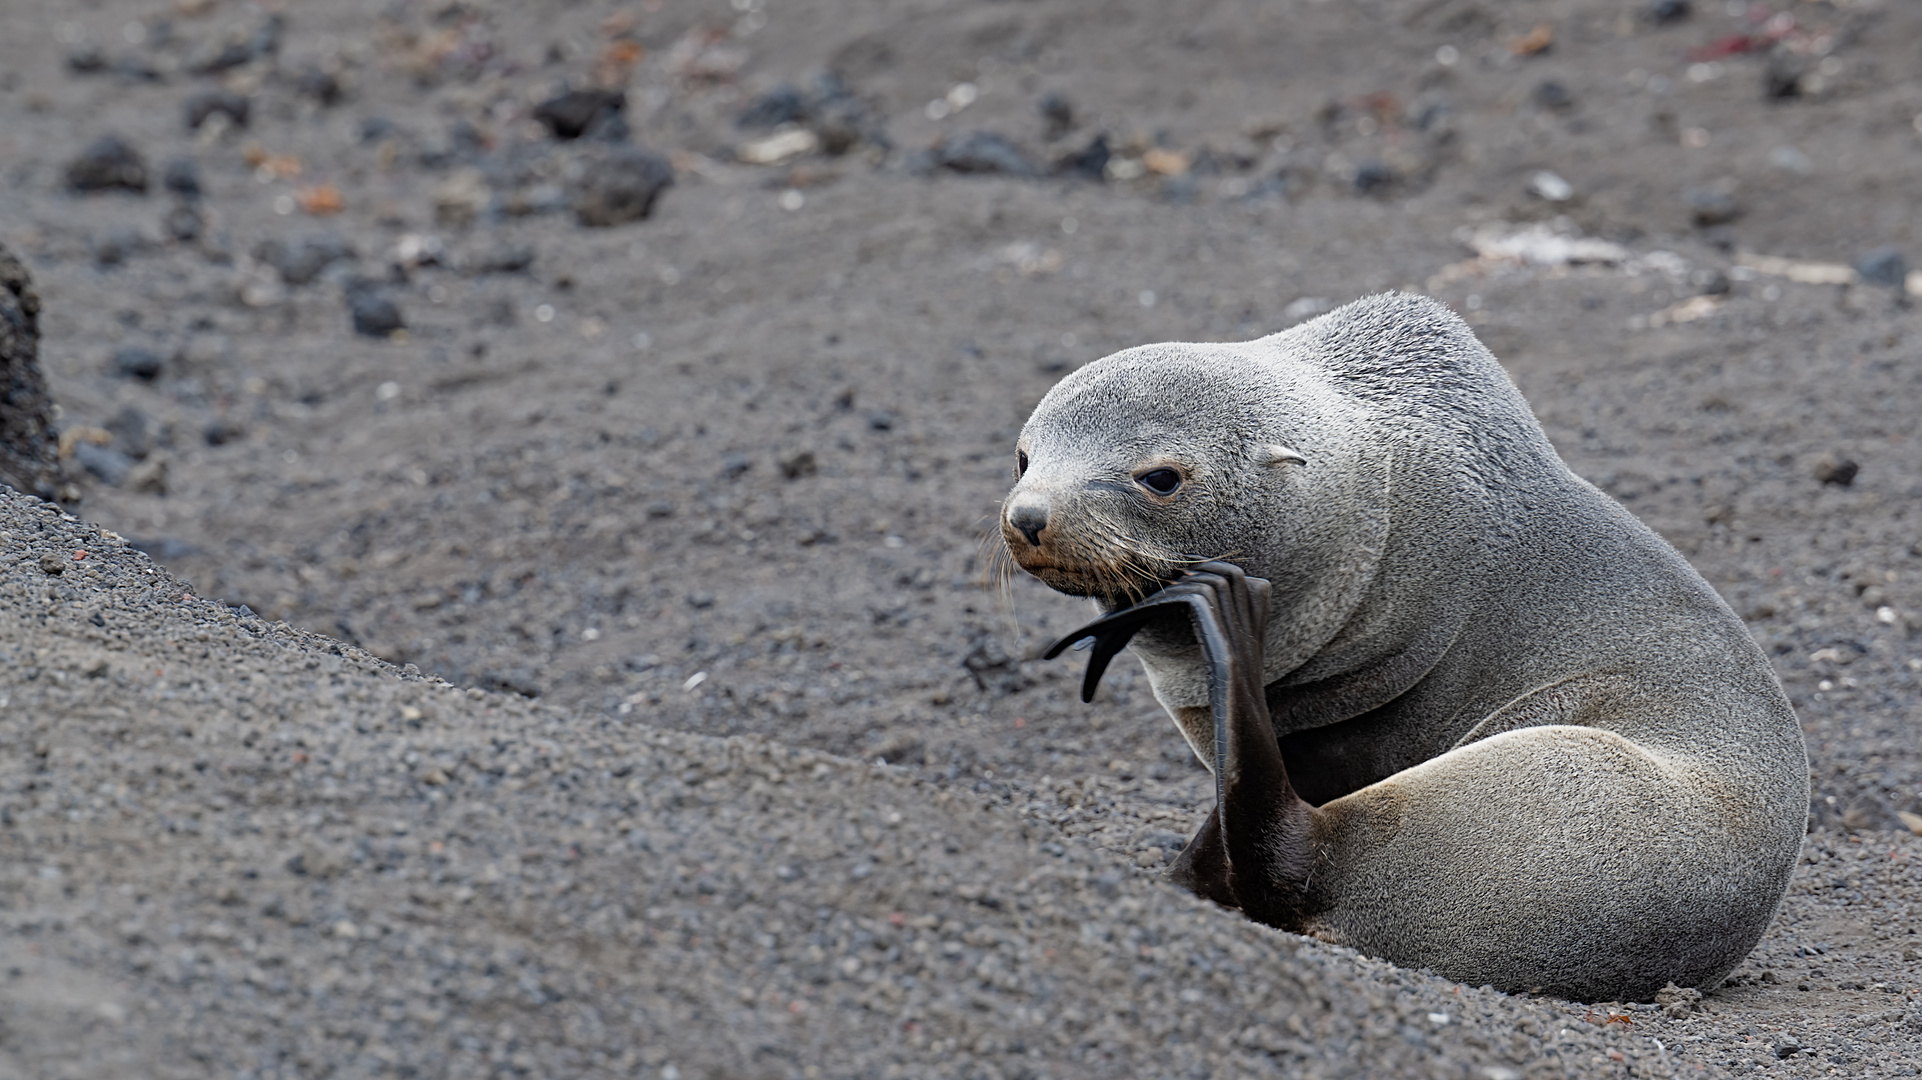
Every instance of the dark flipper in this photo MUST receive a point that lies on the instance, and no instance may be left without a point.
(1112, 633)
(1256, 851)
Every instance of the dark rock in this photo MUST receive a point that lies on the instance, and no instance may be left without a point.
(841, 120)
(881, 420)
(1884, 266)
(1057, 112)
(1834, 469)
(135, 68)
(1720, 237)
(240, 47)
(569, 115)
(621, 187)
(206, 103)
(107, 464)
(502, 260)
(302, 261)
(1551, 95)
(1711, 282)
(984, 152)
(117, 245)
(135, 434)
(185, 223)
(182, 177)
(1782, 76)
(223, 431)
(1707, 207)
(375, 128)
(138, 362)
(1090, 162)
(374, 312)
(87, 60)
(466, 141)
(1373, 178)
(734, 465)
(1663, 12)
(782, 105)
(268, 35)
(318, 85)
(108, 163)
(799, 465)
(842, 123)
(27, 445)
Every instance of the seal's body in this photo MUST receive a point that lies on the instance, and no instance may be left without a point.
(1479, 718)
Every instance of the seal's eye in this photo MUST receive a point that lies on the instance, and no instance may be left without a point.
(1160, 481)
(1020, 464)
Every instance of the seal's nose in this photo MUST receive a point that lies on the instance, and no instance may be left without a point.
(1030, 518)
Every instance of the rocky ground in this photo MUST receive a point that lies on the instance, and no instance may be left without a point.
(359, 324)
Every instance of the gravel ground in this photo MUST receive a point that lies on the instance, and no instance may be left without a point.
(727, 471)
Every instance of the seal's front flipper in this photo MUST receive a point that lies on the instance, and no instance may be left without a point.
(1265, 830)
(1111, 633)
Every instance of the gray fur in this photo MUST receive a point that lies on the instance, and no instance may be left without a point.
(1553, 758)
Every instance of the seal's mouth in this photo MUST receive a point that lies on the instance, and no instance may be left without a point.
(1115, 586)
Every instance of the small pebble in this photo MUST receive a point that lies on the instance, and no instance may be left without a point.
(799, 465)
(502, 260)
(1089, 163)
(1663, 12)
(319, 85)
(984, 152)
(1833, 469)
(1884, 266)
(1372, 177)
(1552, 95)
(302, 261)
(784, 104)
(572, 114)
(1549, 186)
(1058, 112)
(622, 187)
(375, 313)
(116, 246)
(137, 362)
(184, 223)
(182, 177)
(108, 163)
(222, 431)
(1782, 76)
(219, 101)
(1708, 207)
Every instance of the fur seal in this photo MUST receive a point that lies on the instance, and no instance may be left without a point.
(1464, 711)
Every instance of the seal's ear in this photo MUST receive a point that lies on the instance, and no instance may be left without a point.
(1277, 454)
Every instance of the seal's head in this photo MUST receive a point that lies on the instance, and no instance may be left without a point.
(1139, 465)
